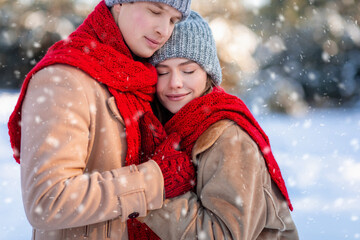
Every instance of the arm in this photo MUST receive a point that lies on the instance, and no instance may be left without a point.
(57, 145)
(230, 202)
(176, 167)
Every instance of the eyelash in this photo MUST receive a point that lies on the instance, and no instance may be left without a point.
(154, 12)
(172, 21)
(161, 74)
(189, 72)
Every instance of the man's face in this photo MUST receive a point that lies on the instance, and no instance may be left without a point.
(145, 26)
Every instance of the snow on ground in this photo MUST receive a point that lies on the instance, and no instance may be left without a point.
(13, 223)
(318, 155)
(319, 158)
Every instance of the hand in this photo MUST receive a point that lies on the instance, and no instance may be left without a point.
(152, 135)
(177, 169)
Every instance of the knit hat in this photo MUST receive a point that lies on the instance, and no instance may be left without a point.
(192, 39)
(182, 6)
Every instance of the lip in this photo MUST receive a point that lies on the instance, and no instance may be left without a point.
(152, 43)
(177, 97)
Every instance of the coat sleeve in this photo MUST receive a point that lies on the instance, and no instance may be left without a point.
(230, 202)
(58, 190)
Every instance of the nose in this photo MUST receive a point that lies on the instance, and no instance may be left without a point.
(175, 81)
(163, 28)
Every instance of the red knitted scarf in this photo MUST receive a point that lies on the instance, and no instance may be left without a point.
(97, 48)
(198, 115)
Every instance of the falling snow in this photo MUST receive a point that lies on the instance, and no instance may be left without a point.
(317, 153)
(52, 141)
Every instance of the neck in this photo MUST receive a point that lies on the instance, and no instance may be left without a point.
(160, 111)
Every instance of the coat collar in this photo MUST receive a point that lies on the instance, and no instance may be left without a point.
(208, 138)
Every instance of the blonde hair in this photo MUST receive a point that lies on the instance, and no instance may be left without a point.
(209, 85)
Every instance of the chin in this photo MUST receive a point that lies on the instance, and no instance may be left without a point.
(150, 52)
(172, 110)
(175, 110)
(144, 54)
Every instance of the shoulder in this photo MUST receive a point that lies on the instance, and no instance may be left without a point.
(61, 74)
(59, 71)
(224, 132)
(59, 78)
(208, 138)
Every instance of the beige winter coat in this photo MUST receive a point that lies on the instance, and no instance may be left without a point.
(73, 147)
(235, 197)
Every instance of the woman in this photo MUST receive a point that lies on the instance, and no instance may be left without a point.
(239, 193)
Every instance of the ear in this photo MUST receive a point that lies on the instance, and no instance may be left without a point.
(116, 8)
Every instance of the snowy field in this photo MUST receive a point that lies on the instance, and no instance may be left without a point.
(319, 155)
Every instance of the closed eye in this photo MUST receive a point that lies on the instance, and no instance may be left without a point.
(162, 73)
(174, 20)
(154, 12)
(154, 9)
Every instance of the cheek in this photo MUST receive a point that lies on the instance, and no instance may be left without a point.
(160, 92)
(138, 25)
(171, 29)
(199, 85)
(142, 20)
(160, 86)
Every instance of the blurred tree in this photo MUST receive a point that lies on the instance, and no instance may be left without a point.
(296, 53)
(279, 55)
(321, 40)
(27, 29)
(235, 41)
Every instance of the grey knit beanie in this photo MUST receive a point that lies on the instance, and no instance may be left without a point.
(182, 6)
(192, 39)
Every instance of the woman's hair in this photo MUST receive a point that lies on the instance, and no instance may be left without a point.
(209, 85)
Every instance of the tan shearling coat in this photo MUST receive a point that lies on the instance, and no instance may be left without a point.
(235, 197)
(75, 184)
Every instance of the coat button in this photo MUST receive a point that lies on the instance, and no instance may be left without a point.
(133, 215)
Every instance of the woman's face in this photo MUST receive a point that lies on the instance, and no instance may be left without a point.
(180, 81)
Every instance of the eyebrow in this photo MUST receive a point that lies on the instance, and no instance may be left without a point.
(158, 5)
(162, 8)
(181, 64)
(187, 62)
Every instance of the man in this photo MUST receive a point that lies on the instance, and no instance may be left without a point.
(75, 126)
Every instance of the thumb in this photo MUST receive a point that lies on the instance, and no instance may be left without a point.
(174, 141)
(150, 123)
(149, 117)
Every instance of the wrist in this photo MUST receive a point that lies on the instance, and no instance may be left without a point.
(154, 184)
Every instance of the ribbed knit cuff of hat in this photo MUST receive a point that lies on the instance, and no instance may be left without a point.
(182, 6)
